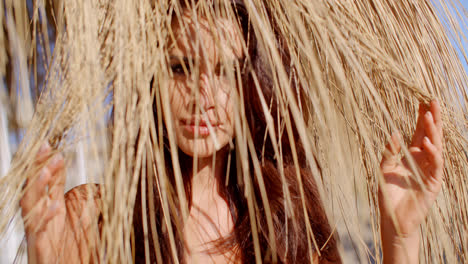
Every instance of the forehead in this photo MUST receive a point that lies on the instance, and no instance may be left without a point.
(196, 35)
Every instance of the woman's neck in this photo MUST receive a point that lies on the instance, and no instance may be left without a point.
(210, 218)
(207, 172)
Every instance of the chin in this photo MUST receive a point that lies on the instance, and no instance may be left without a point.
(203, 147)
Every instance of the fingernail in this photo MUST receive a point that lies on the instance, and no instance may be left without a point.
(43, 174)
(426, 139)
(429, 115)
(56, 159)
(54, 206)
(44, 148)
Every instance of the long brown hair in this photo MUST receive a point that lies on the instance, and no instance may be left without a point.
(290, 233)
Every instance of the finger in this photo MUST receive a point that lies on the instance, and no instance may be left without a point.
(41, 157)
(52, 210)
(35, 190)
(431, 130)
(45, 215)
(43, 153)
(395, 146)
(437, 115)
(33, 218)
(57, 182)
(434, 157)
(391, 149)
(419, 131)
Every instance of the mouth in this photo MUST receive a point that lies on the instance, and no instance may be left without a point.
(204, 128)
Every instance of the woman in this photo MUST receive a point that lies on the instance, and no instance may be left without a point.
(218, 228)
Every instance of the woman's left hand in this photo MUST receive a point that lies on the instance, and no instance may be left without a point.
(404, 197)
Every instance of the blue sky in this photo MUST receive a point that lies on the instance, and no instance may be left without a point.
(465, 32)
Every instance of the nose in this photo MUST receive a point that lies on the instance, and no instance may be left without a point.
(207, 91)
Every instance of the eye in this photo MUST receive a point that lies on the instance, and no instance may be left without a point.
(219, 69)
(180, 66)
(177, 68)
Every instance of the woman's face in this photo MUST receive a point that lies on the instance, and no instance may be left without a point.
(201, 89)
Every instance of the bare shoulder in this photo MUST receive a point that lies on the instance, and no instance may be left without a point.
(82, 232)
(84, 192)
(83, 204)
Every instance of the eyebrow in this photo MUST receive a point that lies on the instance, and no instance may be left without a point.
(185, 60)
(188, 61)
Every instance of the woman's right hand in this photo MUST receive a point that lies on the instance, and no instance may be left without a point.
(43, 209)
(57, 226)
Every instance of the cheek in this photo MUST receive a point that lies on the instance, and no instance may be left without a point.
(177, 98)
(225, 103)
(224, 98)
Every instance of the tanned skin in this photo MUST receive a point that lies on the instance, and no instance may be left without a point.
(63, 228)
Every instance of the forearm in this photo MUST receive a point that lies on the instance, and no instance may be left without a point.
(399, 249)
(43, 250)
(72, 238)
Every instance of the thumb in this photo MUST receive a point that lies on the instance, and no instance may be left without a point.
(392, 149)
(57, 185)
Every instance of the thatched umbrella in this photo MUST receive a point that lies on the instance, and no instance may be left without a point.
(362, 68)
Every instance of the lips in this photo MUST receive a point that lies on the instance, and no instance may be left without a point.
(201, 122)
(203, 128)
